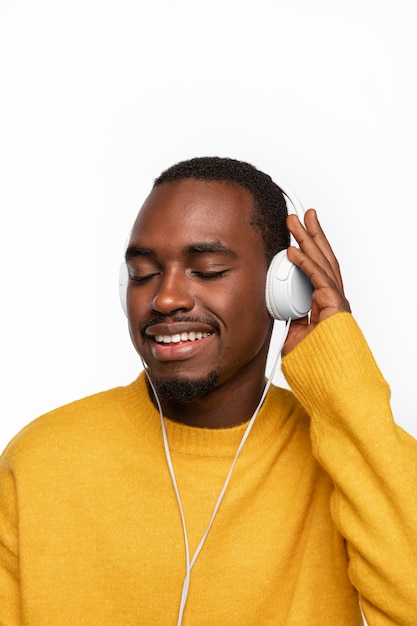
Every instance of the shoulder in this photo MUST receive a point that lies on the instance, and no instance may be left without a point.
(285, 412)
(70, 425)
(335, 352)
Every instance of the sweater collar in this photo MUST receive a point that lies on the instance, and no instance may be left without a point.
(204, 441)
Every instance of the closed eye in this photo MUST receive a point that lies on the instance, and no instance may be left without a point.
(141, 279)
(210, 275)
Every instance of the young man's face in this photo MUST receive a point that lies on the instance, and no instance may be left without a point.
(196, 304)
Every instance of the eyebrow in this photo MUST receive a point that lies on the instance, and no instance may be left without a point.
(135, 251)
(212, 247)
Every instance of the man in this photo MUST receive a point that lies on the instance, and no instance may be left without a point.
(139, 505)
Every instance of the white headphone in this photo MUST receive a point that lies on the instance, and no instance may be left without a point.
(288, 291)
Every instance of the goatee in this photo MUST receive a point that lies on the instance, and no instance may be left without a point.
(185, 389)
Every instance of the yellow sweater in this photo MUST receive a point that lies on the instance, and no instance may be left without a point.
(90, 532)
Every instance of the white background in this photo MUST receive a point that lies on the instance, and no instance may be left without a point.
(98, 97)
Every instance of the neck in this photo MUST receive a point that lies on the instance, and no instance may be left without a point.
(227, 405)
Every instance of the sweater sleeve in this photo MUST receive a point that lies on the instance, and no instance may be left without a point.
(9, 571)
(371, 461)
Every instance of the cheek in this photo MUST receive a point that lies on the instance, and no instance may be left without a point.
(135, 336)
(137, 315)
(245, 314)
(250, 296)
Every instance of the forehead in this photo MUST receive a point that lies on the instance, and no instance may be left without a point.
(197, 210)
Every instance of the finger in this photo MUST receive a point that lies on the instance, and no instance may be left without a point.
(314, 243)
(328, 295)
(317, 269)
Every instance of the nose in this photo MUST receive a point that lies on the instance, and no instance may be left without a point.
(173, 294)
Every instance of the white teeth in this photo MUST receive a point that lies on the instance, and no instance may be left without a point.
(191, 336)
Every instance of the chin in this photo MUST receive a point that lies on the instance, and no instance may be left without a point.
(181, 389)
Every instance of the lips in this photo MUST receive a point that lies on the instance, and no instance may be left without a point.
(178, 340)
(176, 331)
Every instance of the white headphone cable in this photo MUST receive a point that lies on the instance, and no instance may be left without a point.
(190, 564)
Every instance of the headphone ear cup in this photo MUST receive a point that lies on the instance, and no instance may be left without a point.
(123, 280)
(288, 290)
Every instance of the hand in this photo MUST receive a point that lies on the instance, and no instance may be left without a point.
(316, 258)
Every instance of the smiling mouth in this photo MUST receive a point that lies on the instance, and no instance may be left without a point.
(181, 337)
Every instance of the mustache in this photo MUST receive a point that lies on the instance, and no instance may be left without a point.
(180, 318)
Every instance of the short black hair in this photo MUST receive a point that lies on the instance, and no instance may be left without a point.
(270, 208)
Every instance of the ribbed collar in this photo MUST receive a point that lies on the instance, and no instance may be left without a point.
(205, 442)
